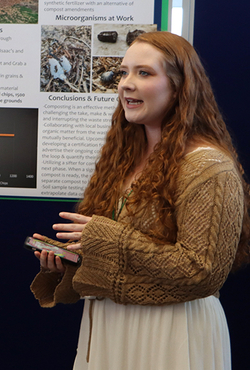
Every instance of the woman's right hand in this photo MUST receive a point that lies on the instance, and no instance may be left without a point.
(49, 261)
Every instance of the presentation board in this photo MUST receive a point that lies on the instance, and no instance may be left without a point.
(59, 72)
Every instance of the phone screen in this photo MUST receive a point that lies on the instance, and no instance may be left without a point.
(36, 244)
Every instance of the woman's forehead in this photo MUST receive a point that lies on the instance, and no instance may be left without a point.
(143, 53)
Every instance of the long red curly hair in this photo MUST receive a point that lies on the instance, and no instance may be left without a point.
(192, 115)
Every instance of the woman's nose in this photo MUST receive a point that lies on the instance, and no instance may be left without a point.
(127, 83)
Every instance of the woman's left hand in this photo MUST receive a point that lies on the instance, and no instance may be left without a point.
(71, 231)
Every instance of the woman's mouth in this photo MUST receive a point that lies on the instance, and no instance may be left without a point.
(134, 102)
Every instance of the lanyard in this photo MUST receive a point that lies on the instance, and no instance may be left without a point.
(123, 203)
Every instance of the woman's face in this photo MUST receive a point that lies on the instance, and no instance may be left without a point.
(144, 88)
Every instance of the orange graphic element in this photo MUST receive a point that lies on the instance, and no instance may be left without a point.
(9, 135)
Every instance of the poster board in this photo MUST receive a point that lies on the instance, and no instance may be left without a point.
(59, 71)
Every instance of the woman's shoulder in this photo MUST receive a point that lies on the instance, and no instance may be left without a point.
(204, 163)
(205, 156)
(199, 147)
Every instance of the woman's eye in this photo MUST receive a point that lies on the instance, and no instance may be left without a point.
(144, 73)
(123, 73)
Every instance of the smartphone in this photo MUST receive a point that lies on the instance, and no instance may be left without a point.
(38, 245)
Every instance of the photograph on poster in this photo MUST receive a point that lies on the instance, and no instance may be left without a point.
(105, 74)
(65, 59)
(114, 39)
(110, 43)
(18, 147)
(19, 11)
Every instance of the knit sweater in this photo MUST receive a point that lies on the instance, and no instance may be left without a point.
(120, 262)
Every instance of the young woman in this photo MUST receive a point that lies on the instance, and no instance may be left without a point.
(162, 223)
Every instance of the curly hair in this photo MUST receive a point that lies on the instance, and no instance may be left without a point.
(192, 115)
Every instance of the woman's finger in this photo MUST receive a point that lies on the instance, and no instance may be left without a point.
(54, 263)
(43, 259)
(69, 236)
(68, 227)
(74, 247)
(37, 254)
(38, 236)
(75, 217)
(59, 264)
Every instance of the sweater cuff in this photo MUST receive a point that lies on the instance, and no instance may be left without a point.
(103, 237)
(52, 288)
(103, 258)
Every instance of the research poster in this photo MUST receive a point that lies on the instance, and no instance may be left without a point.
(59, 71)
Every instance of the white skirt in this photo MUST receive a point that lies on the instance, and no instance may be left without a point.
(185, 336)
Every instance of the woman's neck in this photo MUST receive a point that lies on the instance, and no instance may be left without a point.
(153, 137)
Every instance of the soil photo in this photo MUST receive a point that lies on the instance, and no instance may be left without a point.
(105, 74)
(19, 11)
(65, 59)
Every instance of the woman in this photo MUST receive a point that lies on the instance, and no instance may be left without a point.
(163, 221)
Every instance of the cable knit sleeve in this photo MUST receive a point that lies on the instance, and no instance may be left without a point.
(123, 264)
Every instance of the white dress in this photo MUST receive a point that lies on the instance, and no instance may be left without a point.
(185, 336)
